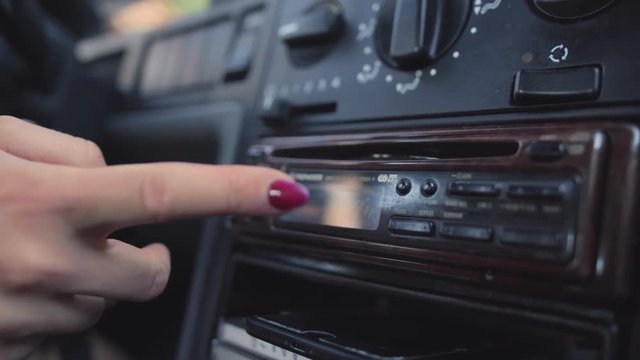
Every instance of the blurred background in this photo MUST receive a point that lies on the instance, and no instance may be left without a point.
(86, 18)
(128, 16)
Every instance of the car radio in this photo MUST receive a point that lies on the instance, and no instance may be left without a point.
(492, 214)
(513, 201)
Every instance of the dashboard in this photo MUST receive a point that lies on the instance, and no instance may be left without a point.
(472, 165)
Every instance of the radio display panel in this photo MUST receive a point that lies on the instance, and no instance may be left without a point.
(341, 199)
(508, 214)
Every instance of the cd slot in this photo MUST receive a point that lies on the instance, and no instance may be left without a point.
(399, 151)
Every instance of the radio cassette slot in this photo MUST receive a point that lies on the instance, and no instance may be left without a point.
(522, 200)
(399, 150)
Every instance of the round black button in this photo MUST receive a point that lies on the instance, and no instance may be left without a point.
(429, 188)
(403, 187)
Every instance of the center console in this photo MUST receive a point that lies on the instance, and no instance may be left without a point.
(472, 166)
(471, 163)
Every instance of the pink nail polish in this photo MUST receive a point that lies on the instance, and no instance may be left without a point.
(286, 195)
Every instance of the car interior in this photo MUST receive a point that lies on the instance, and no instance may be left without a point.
(472, 168)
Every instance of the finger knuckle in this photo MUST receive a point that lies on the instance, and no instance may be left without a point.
(159, 278)
(17, 191)
(233, 196)
(35, 272)
(155, 197)
(7, 121)
(93, 314)
(14, 326)
(12, 329)
(92, 152)
(19, 349)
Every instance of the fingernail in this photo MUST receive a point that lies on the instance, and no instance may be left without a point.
(286, 195)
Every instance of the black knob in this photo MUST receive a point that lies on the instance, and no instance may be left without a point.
(313, 33)
(414, 33)
(276, 111)
(429, 188)
(571, 9)
(403, 187)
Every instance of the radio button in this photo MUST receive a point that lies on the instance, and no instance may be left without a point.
(532, 238)
(534, 192)
(412, 227)
(466, 232)
(559, 85)
(403, 187)
(429, 188)
(473, 189)
(546, 151)
(279, 112)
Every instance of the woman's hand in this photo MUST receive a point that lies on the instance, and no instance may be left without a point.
(58, 205)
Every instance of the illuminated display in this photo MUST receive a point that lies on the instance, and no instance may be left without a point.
(340, 199)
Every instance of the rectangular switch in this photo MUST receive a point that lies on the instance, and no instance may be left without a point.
(533, 238)
(466, 232)
(412, 227)
(473, 189)
(240, 58)
(534, 87)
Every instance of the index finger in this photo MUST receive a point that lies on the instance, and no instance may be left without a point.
(125, 195)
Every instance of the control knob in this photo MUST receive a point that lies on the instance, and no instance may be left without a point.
(313, 33)
(412, 34)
